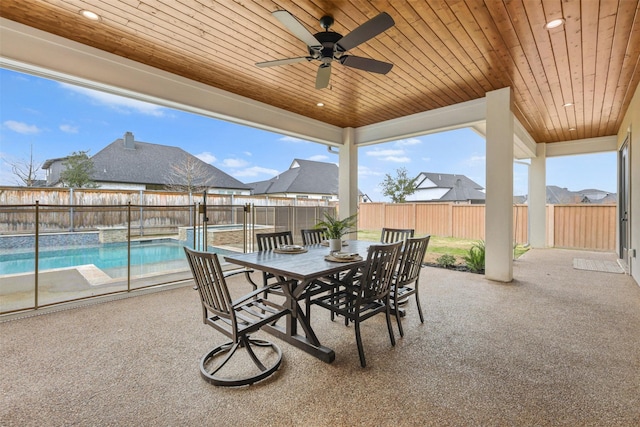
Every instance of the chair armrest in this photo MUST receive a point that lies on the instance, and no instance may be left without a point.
(246, 271)
(230, 273)
(254, 293)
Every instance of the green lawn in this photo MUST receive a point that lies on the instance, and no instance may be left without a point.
(439, 246)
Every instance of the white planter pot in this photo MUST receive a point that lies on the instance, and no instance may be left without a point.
(335, 245)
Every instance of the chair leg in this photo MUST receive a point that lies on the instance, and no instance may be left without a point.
(397, 311)
(264, 284)
(419, 306)
(213, 374)
(388, 315)
(363, 361)
(250, 280)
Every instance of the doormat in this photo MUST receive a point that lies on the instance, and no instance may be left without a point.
(597, 265)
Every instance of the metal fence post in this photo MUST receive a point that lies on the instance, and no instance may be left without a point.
(37, 247)
(129, 246)
(71, 210)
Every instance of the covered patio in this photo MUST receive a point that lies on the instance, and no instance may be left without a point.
(534, 342)
(557, 346)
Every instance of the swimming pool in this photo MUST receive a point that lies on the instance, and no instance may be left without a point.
(146, 257)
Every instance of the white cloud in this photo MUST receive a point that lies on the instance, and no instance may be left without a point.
(21, 127)
(234, 163)
(118, 103)
(365, 171)
(255, 171)
(318, 157)
(426, 159)
(410, 141)
(248, 153)
(385, 153)
(207, 157)
(475, 160)
(69, 128)
(398, 159)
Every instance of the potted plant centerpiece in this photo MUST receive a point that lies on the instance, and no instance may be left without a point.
(336, 228)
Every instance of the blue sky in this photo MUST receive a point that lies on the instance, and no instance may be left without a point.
(57, 119)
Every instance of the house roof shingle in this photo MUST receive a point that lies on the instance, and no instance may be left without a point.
(150, 163)
(461, 188)
(302, 177)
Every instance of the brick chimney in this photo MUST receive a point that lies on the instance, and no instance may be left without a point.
(129, 141)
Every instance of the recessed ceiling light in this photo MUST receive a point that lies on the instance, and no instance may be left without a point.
(320, 104)
(555, 23)
(90, 15)
(572, 128)
(568, 104)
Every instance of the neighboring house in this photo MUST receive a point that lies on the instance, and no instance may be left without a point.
(444, 187)
(305, 179)
(134, 165)
(562, 196)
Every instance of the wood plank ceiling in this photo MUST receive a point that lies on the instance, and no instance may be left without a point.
(444, 52)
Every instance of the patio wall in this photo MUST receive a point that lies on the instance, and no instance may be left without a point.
(578, 226)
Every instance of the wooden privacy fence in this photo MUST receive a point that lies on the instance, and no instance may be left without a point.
(98, 196)
(579, 226)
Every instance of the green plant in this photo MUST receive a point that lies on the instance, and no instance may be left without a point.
(400, 187)
(336, 228)
(475, 257)
(446, 261)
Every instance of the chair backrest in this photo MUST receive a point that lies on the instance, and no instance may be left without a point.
(392, 235)
(268, 241)
(211, 285)
(377, 274)
(313, 236)
(411, 258)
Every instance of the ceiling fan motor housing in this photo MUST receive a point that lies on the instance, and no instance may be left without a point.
(328, 40)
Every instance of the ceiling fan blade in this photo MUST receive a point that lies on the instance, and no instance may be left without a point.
(366, 64)
(282, 61)
(297, 29)
(366, 31)
(324, 74)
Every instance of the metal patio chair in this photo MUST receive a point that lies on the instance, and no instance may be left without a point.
(236, 319)
(369, 295)
(408, 273)
(392, 235)
(313, 236)
(269, 241)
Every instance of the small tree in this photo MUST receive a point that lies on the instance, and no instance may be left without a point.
(78, 171)
(189, 175)
(26, 171)
(400, 187)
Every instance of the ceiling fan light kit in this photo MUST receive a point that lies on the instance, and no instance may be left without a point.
(328, 46)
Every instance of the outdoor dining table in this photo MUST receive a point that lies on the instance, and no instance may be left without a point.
(297, 272)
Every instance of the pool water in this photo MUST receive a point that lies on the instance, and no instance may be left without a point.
(146, 257)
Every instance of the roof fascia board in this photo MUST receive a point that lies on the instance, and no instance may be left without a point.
(443, 119)
(29, 50)
(583, 146)
(524, 146)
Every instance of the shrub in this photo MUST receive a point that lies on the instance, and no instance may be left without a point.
(446, 261)
(475, 257)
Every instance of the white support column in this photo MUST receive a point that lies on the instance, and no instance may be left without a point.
(538, 198)
(348, 174)
(499, 201)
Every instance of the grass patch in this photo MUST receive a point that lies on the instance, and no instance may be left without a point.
(439, 246)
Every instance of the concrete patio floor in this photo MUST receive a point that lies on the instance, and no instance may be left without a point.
(557, 346)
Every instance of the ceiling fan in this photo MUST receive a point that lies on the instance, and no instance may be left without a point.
(328, 46)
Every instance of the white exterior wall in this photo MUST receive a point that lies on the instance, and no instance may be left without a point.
(428, 194)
